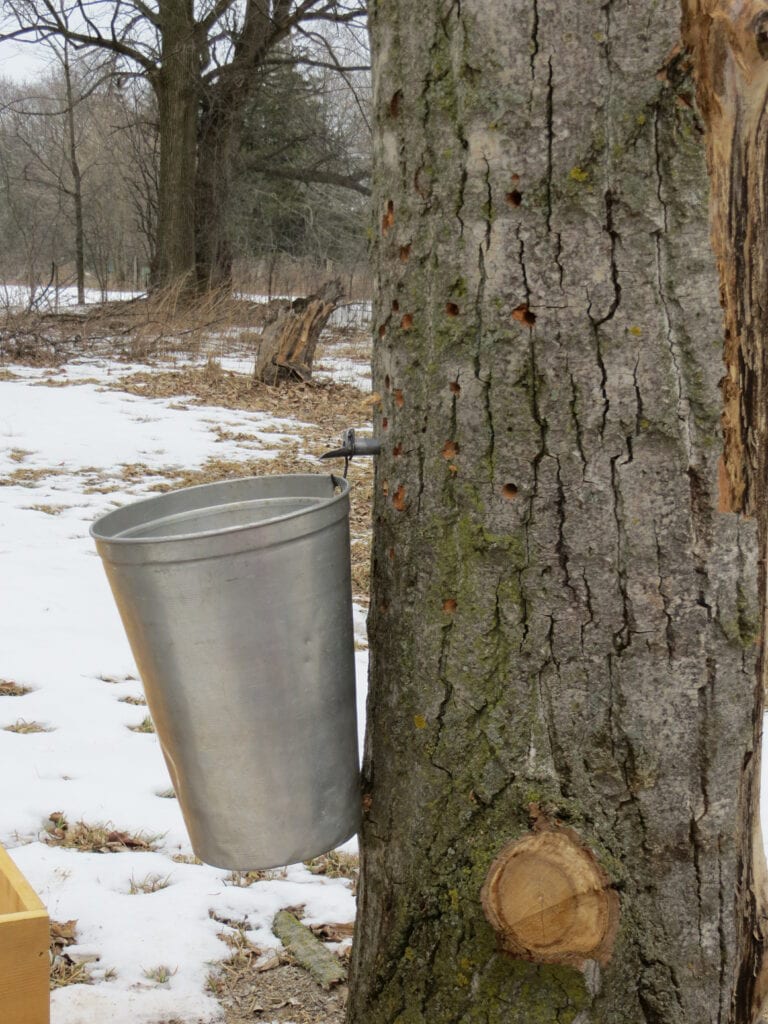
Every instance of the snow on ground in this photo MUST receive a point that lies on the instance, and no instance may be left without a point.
(60, 635)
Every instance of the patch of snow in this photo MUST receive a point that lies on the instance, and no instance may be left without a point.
(62, 637)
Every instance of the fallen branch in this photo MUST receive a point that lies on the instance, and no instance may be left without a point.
(324, 966)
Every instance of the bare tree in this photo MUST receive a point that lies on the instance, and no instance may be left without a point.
(200, 63)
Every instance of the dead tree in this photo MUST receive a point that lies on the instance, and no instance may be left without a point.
(288, 343)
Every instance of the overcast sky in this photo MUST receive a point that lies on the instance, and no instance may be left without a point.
(22, 60)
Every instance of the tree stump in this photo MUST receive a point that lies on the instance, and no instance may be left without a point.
(287, 345)
(549, 901)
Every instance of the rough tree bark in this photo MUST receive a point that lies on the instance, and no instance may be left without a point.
(563, 627)
(176, 82)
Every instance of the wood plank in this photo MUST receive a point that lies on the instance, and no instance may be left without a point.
(16, 894)
(24, 949)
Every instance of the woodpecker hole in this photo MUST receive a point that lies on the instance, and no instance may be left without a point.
(391, 554)
(397, 451)
(394, 104)
(387, 382)
(455, 387)
(395, 306)
(407, 322)
(450, 450)
(385, 487)
(450, 605)
(515, 179)
(399, 400)
(405, 253)
(451, 309)
(509, 491)
(398, 499)
(384, 423)
(514, 198)
(382, 330)
(523, 315)
(388, 219)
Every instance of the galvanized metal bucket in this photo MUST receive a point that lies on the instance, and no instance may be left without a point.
(236, 598)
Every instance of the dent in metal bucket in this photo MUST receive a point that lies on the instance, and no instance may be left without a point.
(236, 598)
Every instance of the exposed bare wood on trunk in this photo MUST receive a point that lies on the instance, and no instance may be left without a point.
(549, 901)
(728, 40)
(287, 345)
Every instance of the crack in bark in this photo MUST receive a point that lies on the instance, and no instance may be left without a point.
(615, 302)
(489, 210)
(550, 142)
(657, 167)
(622, 638)
(683, 405)
(561, 547)
(534, 39)
(577, 425)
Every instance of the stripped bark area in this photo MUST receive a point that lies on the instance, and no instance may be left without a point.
(559, 614)
(728, 45)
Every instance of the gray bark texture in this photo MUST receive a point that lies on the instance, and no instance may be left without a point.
(562, 624)
(177, 86)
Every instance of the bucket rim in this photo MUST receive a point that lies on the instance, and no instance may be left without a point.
(101, 537)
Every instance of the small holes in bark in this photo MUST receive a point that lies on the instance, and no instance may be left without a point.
(514, 198)
(455, 387)
(523, 315)
(397, 451)
(387, 382)
(509, 491)
(395, 306)
(450, 450)
(382, 330)
(451, 309)
(391, 554)
(450, 605)
(399, 400)
(398, 499)
(384, 423)
(394, 104)
(407, 322)
(405, 253)
(388, 219)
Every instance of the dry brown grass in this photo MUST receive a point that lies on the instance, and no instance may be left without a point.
(95, 838)
(27, 476)
(64, 970)
(149, 884)
(136, 701)
(145, 725)
(336, 864)
(24, 727)
(329, 406)
(11, 689)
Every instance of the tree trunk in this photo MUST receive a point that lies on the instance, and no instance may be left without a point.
(287, 344)
(177, 87)
(217, 146)
(77, 180)
(563, 628)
